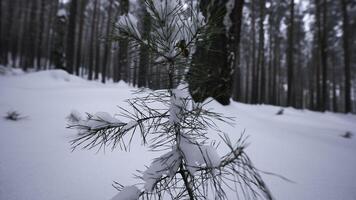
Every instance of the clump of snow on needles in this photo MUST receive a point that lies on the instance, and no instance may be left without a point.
(97, 121)
(179, 102)
(166, 164)
(130, 22)
(197, 155)
(128, 193)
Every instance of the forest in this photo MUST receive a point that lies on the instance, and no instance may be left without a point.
(298, 53)
(177, 99)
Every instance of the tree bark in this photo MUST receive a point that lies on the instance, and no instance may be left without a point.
(347, 68)
(261, 56)
(144, 51)
(92, 41)
(40, 36)
(123, 47)
(97, 45)
(254, 91)
(290, 60)
(71, 36)
(107, 46)
(78, 61)
(234, 41)
(210, 74)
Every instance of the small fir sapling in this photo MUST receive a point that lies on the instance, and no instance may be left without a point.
(170, 121)
(347, 135)
(13, 116)
(280, 112)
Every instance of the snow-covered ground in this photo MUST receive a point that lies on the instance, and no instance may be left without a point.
(36, 162)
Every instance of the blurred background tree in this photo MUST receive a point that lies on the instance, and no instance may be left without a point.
(286, 53)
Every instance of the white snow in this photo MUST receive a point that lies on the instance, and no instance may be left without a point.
(9, 71)
(36, 162)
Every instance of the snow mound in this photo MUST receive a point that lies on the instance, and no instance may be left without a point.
(57, 75)
(9, 71)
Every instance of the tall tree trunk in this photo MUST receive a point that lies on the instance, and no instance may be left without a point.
(40, 35)
(107, 46)
(322, 38)
(13, 32)
(97, 46)
(92, 41)
(260, 57)
(3, 49)
(254, 91)
(58, 50)
(209, 65)
(290, 60)
(311, 86)
(248, 79)
(78, 61)
(70, 56)
(270, 68)
(123, 47)
(144, 51)
(324, 58)
(29, 35)
(50, 33)
(276, 57)
(318, 59)
(347, 68)
(234, 42)
(334, 72)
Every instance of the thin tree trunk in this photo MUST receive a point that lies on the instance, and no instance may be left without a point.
(234, 41)
(260, 57)
(123, 47)
(254, 91)
(97, 46)
(107, 47)
(347, 68)
(29, 33)
(70, 50)
(324, 57)
(40, 35)
(248, 79)
(335, 107)
(78, 61)
(144, 63)
(92, 42)
(290, 60)
(3, 49)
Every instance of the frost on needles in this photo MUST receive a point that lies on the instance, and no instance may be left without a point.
(170, 121)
